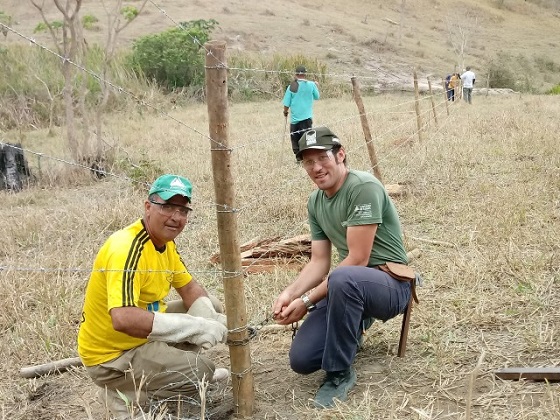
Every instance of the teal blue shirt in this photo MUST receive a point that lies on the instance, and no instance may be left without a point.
(361, 200)
(301, 102)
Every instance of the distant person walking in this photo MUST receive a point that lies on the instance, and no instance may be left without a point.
(298, 99)
(468, 79)
(452, 81)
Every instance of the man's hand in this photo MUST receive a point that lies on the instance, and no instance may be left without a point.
(285, 311)
(180, 328)
(285, 113)
(204, 308)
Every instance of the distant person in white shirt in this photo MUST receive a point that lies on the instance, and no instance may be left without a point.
(468, 79)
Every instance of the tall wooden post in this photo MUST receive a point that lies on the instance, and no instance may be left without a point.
(417, 107)
(365, 128)
(218, 124)
(432, 100)
(445, 96)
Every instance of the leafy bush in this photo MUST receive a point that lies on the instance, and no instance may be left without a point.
(89, 22)
(513, 72)
(246, 85)
(173, 58)
(6, 20)
(555, 90)
(129, 12)
(43, 27)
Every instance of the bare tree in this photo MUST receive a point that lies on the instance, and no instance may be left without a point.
(118, 18)
(460, 32)
(402, 16)
(70, 47)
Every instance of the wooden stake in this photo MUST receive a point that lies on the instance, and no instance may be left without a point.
(445, 96)
(417, 107)
(58, 366)
(218, 123)
(365, 128)
(432, 100)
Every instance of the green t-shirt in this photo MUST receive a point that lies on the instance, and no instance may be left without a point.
(362, 200)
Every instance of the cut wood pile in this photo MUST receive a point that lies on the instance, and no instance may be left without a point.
(264, 255)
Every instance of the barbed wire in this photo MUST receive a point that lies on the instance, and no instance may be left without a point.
(149, 105)
(222, 65)
(333, 122)
(118, 88)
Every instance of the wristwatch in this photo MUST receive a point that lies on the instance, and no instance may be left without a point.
(308, 304)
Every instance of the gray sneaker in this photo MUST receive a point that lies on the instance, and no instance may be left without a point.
(336, 385)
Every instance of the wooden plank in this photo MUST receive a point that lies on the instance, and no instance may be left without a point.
(551, 374)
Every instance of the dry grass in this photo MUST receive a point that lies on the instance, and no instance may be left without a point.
(338, 33)
(483, 205)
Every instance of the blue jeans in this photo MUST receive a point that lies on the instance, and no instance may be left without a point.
(328, 337)
(467, 94)
(450, 94)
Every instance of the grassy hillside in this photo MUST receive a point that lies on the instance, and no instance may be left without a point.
(380, 38)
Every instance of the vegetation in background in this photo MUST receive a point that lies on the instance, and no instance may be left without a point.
(520, 72)
(6, 20)
(555, 90)
(173, 58)
(275, 75)
(90, 22)
(31, 85)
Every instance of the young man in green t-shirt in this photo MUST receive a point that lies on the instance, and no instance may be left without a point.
(351, 211)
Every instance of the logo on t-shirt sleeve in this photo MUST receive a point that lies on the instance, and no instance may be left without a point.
(363, 211)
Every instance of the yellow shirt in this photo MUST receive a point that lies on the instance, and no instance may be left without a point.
(453, 82)
(128, 271)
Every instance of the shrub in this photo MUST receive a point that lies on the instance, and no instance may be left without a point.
(278, 73)
(555, 90)
(89, 22)
(513, 72)
(172, 58)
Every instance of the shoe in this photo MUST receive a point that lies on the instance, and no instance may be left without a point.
(220, 375)
(336, 385)
(366, 323)
(118, 405)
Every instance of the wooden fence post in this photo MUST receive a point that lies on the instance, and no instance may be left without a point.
(417, 107)
(232, 273)
(432, 100)
(365, 128)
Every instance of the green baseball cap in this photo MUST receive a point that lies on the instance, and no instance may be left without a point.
(166, 186)
(320, 138)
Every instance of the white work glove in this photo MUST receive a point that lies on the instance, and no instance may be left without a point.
(180, 328)
(203, 307)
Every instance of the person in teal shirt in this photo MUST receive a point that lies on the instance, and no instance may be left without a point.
(351, 211)
(298, 100)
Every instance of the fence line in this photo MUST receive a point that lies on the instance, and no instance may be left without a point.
(147, 104)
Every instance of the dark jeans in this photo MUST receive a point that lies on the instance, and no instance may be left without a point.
(450, 94)
(328, 337)
(297, 130)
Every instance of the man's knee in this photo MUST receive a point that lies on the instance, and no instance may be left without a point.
(339, 279)
(299, 362)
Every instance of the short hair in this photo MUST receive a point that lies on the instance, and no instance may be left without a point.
(335, 150)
